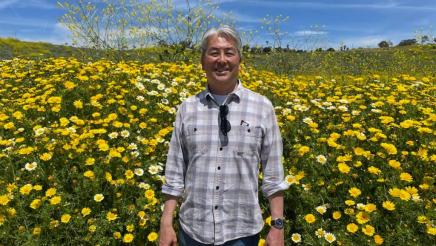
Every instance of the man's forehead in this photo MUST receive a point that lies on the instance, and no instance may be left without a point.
(221, 42)
(221, 47)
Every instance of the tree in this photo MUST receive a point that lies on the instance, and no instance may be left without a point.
(96, 27)
(266, 49)
(119, 25)
(162, 21)
(424, 39)
(383, 44)
(343, 47)
(246, 48)
(407, 42)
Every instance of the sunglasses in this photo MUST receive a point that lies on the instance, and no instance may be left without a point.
(225, 124)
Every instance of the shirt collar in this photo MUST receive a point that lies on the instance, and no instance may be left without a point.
(235, 94)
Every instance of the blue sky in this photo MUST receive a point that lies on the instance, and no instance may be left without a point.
(326, 23)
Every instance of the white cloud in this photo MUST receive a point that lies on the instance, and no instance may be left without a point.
(309, 33)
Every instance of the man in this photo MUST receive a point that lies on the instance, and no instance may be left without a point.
(219, 138)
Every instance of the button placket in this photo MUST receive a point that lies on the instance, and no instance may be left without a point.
(217, 209)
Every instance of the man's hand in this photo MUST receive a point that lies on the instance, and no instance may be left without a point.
(275, 237)
(167, 235)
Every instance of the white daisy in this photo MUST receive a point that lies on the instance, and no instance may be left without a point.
(31, 166)
(139, 171)
(329, 237)
(296, 237)
(125, 133)
(321, 159)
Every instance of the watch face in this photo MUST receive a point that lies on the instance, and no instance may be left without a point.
(277, 223)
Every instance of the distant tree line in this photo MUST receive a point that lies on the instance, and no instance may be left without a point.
(424, 39)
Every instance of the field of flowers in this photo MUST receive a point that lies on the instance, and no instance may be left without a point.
(83, 147)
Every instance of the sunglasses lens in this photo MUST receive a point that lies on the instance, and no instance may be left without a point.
(224, 110)
(228, 126)
(225, 127)
(225, 124)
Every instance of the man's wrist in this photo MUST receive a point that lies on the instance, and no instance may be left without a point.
(278, 223)
(166, 220)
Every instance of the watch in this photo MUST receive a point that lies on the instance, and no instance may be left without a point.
(278, 223)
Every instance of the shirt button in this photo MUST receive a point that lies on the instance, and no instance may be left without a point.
(219, 168)
(221, 148)
(217, 187)
(216, 207)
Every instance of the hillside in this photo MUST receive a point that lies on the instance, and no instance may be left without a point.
(419, 59)
(10, 48)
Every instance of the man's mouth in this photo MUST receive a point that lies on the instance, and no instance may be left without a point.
(221, 71)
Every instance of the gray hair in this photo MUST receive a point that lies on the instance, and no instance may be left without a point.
(222, 31)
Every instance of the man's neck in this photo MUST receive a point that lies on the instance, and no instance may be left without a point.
(222, 88)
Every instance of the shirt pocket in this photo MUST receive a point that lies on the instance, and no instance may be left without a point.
(198, 138)
(248, 141)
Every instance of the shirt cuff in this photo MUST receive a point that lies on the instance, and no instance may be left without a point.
(169, 190)
(274, 188)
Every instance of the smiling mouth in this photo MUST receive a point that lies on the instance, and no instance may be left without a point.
(221, 71)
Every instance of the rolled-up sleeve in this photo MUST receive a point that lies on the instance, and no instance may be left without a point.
(271, 156)
(175, 167)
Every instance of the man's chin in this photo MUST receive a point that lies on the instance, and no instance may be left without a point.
(223, 79)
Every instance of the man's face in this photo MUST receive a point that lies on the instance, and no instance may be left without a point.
(221, 61)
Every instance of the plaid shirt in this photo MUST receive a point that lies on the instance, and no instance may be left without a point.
(216, 175)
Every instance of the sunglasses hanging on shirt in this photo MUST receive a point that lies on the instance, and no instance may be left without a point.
(225, 124)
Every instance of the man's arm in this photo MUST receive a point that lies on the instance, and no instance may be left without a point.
(276, 236)
(174, 183)
(273, 175)
(167, 235)
(271, 156)
(276, 205)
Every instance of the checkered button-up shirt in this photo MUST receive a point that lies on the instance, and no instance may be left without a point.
(216, 175)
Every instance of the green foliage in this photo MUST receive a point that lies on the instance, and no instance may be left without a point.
(11, 48)
(415, 59)
(384, 44)
(407, 42)
(419, 59)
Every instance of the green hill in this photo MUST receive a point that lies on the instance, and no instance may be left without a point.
(11, 48)
(417, 59)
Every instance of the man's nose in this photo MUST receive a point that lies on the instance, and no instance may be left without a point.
(222, 57)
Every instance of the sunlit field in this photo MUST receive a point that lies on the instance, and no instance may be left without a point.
(83, 147)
